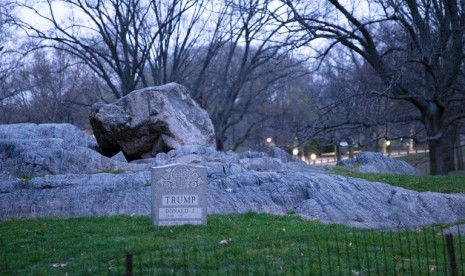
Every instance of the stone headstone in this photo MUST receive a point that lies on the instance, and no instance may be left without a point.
(179, 195)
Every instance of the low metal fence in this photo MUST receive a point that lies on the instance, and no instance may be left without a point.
(421, 252)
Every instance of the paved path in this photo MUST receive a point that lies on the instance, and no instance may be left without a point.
(331, 160)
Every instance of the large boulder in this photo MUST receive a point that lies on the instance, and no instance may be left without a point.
(151, 121)
(28, 150)
(375, 162)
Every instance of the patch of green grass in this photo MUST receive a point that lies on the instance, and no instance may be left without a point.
(344, 171)
(423, 183)
(113, 171)
(229, 244)
(25, 177)
(82, 242)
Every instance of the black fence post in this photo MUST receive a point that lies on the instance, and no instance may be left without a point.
(451, 254)
(128, 264)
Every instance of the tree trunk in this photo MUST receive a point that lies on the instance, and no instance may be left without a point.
(436, 148)
(441, 154)
(458, 151)
(449, 154)
(351, 151)
(338, 153)
(376, 147)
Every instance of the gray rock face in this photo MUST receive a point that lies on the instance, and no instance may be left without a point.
(374, 162)
(71, 136)
(35, 150)
(30, 149)
(150, 121)
(281, 154)
(76, 195)
(237, 183)
(333, 199)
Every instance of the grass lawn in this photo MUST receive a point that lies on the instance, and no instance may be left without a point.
(72, 244)
(434, 183)
(229, 244)
(247, 243)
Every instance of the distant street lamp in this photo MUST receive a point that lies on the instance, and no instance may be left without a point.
(313, 157)
(269, 140)
(388, 144)
(295, 152)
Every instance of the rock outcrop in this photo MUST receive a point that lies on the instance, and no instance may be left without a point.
(333, 199)
(151, 121)
(32, 150)
(237, 183)
(56, 170)
(375, 162)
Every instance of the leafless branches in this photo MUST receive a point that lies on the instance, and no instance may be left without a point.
(419, 63)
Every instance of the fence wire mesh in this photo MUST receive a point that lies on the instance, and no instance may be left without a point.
(421, 252)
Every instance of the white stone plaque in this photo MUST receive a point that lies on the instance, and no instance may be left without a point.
(176, 200)
(179, 195)
(181, 213)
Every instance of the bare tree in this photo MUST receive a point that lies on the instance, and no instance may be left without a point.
(10, 56)
(119, 38)
(226, 52)
(348, 108)
(181, 29)
(246, 47)
(419, 64)
(109, 36)
(52, 87)
(275, 104)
